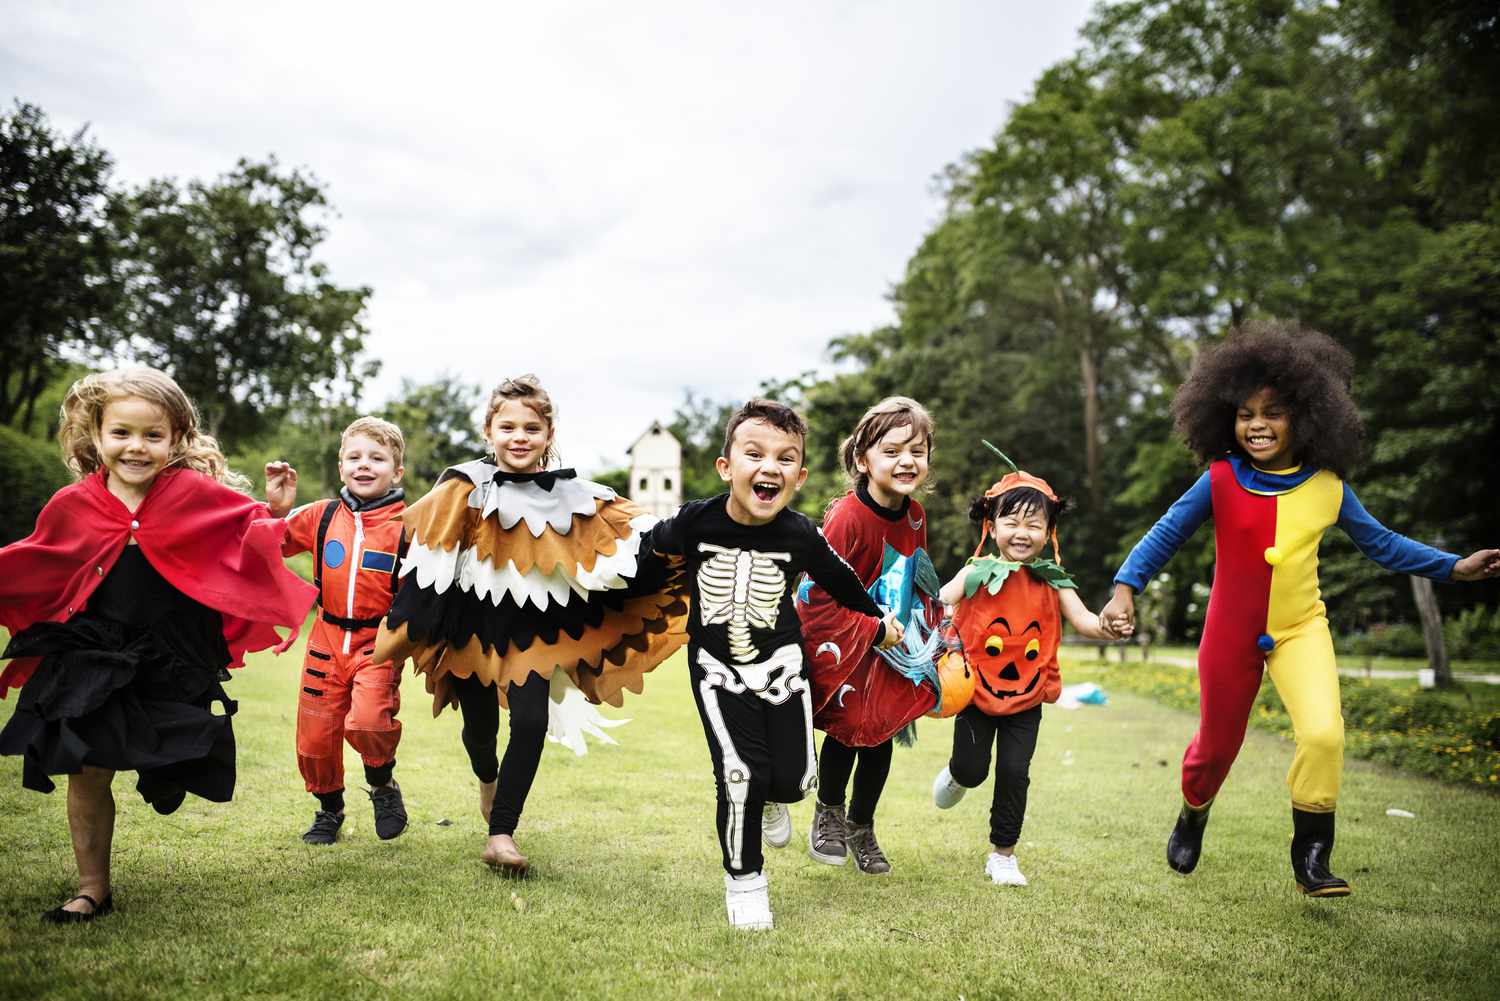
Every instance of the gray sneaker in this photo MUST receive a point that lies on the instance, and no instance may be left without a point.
(826, 837)
(868, 858)
(324, 829)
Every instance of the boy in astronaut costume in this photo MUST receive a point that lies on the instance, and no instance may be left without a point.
(356, 542)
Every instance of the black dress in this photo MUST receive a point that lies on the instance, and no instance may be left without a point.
(128, 684)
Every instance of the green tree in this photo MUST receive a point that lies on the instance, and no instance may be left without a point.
(58, 241)
(224, 293)
(440, 421)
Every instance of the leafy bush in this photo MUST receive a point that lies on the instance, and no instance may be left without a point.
(31, 471)
(1432, 732)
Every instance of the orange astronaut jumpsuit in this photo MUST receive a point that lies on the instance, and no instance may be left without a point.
(345, 694)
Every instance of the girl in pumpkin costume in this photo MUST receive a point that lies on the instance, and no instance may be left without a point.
(520, 584)
(1269, 411)
(1009, 612)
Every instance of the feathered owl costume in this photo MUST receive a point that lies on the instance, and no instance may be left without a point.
(510, 574)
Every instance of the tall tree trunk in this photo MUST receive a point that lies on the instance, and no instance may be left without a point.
(1090, 373)
(1432, 630)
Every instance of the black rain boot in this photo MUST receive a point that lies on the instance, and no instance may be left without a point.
(1312, 849)
(1186, 842)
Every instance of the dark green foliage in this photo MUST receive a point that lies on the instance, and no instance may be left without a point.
(225, 294)
(32, 472)
(440, 421)
(58, 234)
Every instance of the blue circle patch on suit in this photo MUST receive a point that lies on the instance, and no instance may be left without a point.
(333, 554)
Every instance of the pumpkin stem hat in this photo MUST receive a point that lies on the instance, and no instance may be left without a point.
(1014, 480)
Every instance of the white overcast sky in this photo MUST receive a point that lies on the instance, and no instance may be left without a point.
(627, 199)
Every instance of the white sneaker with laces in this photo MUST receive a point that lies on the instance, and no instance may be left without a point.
(945, 792)
(748, 901)
(1003, 871)
(776, 825)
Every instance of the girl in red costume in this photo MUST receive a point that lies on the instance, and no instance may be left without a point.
(143, 581)
(859, 701)
(1269, 411)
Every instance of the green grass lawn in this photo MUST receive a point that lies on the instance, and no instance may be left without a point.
(224, 901)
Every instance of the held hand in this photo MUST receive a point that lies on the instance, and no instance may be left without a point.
(893, 631)
(1478, 566)
(281, 487)
(1118, 615)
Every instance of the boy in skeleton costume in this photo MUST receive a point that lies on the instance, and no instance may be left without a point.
(743, 552)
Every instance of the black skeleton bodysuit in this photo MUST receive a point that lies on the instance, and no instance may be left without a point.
(745, 656)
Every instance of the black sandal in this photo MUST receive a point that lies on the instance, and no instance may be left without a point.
(59, 916)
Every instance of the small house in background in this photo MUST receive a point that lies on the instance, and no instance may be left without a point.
(656, 471)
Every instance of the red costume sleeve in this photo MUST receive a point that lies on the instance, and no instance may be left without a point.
(213, 544)
(302, 528)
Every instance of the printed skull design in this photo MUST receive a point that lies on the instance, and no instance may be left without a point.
(742, 588)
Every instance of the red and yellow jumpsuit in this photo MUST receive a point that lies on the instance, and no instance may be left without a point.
(1265, 612)
(345, 694)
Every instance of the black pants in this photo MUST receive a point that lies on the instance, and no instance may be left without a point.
(480, 706)
(762, 752)
(1014, 738)
(835, 764)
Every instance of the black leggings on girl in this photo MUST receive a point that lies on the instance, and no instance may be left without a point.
(523, 753)
(1014, 738)
(834, 765)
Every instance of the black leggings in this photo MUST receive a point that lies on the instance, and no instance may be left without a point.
(480, 706)
(1014, 738)
(834, 765)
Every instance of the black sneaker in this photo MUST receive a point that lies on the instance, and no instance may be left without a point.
(825, 838)
(390, 811)
(324, 829)
(868, 858)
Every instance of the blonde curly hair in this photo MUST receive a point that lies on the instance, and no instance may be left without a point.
(83, 415)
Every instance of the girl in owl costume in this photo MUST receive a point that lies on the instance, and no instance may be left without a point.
(522, 582)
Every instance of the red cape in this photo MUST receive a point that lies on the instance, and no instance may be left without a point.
(215, 545)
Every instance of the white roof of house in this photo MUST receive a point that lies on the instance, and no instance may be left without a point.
(656, 428)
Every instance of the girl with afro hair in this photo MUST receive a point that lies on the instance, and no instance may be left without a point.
(1269, 412)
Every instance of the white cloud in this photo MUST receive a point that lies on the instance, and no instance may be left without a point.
(626, 199)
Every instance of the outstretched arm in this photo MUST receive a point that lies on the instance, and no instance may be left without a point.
(1086, 622)
(1392, 550)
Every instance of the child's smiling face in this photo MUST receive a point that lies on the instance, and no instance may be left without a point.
(895, 465)
(1263, 428)
(1021, 533)
(519, 437)
(134, 443)
(367, 467)
(763, 469)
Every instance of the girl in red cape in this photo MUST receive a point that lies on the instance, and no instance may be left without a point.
(143, 582)
(860, 701)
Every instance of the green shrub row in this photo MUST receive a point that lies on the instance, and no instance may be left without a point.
(31, 472)
(1426, 731)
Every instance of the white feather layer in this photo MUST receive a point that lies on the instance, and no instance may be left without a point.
(437, 569)
(570, 716)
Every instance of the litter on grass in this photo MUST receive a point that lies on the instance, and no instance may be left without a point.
(1085, 694)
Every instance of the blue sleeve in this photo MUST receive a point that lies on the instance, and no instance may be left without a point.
(1167, 535)
(1392, 550)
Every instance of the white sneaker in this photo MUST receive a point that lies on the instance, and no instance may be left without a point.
(748, 901)
(1003, 871)
(946, 792)
(776, 825)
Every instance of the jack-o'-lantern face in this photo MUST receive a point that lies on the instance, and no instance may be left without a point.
(1010, 639)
